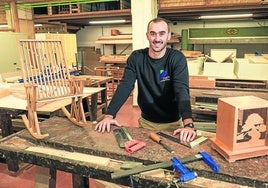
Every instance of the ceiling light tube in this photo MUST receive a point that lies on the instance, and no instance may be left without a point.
(38, 25)
(107, 21)
(226, 16)
(3, 25)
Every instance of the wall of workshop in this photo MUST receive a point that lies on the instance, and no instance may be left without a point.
(87, 36)
(9, 61)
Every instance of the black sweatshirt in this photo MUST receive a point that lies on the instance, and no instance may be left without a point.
(163, 86)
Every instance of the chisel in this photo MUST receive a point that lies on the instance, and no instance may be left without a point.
(157, 139)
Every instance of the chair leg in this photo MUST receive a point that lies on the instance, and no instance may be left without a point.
(77, 113)
(31, 123)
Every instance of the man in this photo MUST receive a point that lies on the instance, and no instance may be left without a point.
(163, 86)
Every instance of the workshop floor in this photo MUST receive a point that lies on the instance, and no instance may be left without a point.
(128, 115)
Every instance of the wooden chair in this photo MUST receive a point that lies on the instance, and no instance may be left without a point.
(46, 79)
(112, 71)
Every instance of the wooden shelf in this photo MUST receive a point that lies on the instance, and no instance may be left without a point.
(114, 59)
(119, 39)
(124, 39)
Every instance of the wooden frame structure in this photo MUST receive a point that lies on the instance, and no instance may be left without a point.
(46, 79)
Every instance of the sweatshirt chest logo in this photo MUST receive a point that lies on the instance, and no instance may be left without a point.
(164, 76)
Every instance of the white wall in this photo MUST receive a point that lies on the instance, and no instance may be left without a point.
(87, 37)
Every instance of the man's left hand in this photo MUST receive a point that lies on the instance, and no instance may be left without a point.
(187, 134)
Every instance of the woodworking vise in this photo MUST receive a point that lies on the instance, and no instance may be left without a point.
(186, 174)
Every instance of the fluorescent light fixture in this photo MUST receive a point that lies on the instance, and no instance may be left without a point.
(3, 26)
(226, 16)
(107, 21)
(6, 26)
(38, 25)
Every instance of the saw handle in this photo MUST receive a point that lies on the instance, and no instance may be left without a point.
(134, 145)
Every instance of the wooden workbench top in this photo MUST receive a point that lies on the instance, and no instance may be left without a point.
(65, 135)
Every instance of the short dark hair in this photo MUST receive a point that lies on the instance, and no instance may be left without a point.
(158, 19)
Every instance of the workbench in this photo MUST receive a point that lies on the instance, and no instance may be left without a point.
(84, 143)
(13, 106)
(97, 85)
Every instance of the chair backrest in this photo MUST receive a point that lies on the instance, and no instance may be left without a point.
(44, 66)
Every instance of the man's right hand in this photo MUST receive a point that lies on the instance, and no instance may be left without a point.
(105, 124)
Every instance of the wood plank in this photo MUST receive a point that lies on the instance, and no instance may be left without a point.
(113, 59)
(239, 83)
(4, 92)
(201, 81)
(189, 53)
(70, 155)
(127, 41)
(118, 39)
(198, 182)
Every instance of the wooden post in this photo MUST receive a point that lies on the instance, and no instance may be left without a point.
(14, 15)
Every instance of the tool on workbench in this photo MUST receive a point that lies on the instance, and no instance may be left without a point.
(192, 144)
(120, 137)
(185, 173)
(157, 139)
(210, 161)
(201, 155)
(124, 140)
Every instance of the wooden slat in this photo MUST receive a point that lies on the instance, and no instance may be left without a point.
(45, 66)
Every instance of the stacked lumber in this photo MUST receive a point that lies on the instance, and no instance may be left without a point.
(189, 53)
(118, 39)
(113, 58)
(201, 81)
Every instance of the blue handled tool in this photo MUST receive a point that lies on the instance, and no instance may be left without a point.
(186, 174)
(201, 155)
(210, 161)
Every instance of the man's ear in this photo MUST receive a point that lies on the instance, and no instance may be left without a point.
(169, 35)
(147, 36)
